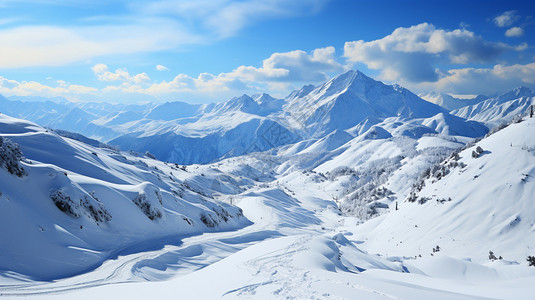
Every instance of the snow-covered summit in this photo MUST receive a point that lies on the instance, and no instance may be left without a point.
(349, 98)
(515, 93)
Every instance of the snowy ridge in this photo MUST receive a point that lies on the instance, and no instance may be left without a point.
(500, 109)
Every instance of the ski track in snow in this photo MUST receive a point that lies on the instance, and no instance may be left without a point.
(129, 268)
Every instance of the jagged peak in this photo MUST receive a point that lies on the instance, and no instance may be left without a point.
(263, 97)
(347, 79)
(243, 97)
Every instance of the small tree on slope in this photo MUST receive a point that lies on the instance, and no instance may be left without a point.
(10, 157)
(531, 261)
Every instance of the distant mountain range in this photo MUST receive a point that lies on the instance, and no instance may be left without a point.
(187, 133)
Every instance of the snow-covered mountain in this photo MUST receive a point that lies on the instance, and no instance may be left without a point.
(185, 133)
(433, 247)
(65, 206)
(226, 135)
(350, 98)
(171, 110)
(312, 113)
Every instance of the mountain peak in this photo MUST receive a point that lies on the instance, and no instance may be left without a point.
(262, 98)
(349, 79)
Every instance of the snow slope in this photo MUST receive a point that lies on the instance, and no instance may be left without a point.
(334, 205)
(301, 247)
(470, 204)
(78, 205)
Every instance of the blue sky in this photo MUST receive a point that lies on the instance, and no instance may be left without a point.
(202, 51)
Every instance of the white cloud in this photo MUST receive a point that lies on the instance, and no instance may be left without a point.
(506, 19)
(278, 74)
(121, 74)
(499, 78)
(10, 87)
(162, 68)
(204, 83)
(411, 54)
(293, 66)
(514, 32)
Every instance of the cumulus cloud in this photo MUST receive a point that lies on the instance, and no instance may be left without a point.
(514, 32)
(121, 74)
(411, 54)
(293, 66)
(161, 68)
(204, 83)
(278, 74)
(487, 81)
(506, 19)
